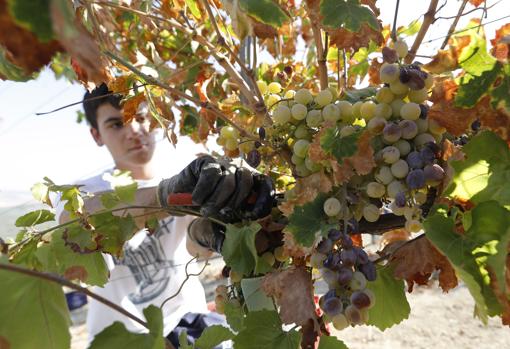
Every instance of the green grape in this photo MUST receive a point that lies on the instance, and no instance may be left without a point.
(418, 96)
(420, 197)
(383, 110)
(403, 147)
(221, 290)
(301, 147)
(429, 81)
(274, 87)
(376, 125)
(229, 132)
(331, 113)
(384, 95)
(396, 106)
(375, 190)
(299, 111)
(347, 131)
(423, 139)
(384, 175)
(324, 98)
(235, 277)
(399, 211)
(220, 304)
(281, 115)
(314, 118)
(231, 144)
(390, 154)
(303, 96)
(332, 207)
(316, 260)
(221, 140)
(340, 322)
(312, 166)
(401, 47)
(262, 87)
(356, 110)
(246, 147)
(268, 257)
(435, 128)
(371, 213)
(346, 111)
(398, 88)
(289, 94)
(413, 226)
(272, 99)
(423, 125)
(302, 170)
(394, 188)
(280, 255)
(400, 169)
(297, 160)
(358, 281)
(389, 72)
(302, 132)
(368, 110)
(410, 111)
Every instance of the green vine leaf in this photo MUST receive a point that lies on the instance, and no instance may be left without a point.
(33, 15)
(339, 147)
(391, 306)
(472, 87)
(193, 8)
(36, 305)
(116, 336)
(11, 71)
(212, 336)
(265, 11)
(34, 218)
(40, 192)
(235, 316)
(263, 330)
(499, 94)
(307, 222)
(348, 14)
(331, 342)
(113, 231)
(483, 174)
(354, 96)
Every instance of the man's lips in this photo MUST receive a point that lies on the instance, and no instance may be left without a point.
(139, 146)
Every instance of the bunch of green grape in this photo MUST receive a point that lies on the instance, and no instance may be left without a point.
(225, 295)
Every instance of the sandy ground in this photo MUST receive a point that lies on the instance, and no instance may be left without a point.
(437, 320)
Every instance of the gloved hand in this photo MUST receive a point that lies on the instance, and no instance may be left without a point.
(221, 189)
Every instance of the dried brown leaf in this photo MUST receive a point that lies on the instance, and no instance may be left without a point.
(373, 72)
(345, 39)
(501, 43)
(293, 290)
(416, 260)
(76, 272)
(476, 3)
(390, 237)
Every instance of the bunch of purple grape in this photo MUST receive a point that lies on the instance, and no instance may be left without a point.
(346, 269)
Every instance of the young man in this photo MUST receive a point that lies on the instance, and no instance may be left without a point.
(152, 268)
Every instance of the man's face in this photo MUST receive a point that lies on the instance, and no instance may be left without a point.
(131, 145)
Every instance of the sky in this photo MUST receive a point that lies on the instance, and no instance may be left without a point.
(56, 146)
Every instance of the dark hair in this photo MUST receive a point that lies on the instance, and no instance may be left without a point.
(97, 97)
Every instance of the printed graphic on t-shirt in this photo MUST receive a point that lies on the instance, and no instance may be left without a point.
(148, 264)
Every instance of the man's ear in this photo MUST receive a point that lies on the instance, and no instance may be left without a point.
(97, 137)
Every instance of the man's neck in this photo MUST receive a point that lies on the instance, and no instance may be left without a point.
(142, 172)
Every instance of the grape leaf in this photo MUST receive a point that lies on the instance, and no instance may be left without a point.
(354, 96)
(116, 336)
(113, 231)
(308, 221)
(265, 11)
(263, 330)
(10, 70)
(409, 30)
(331, 342)
(34, 218)
(235, 316)
(183, 340)
(346, 13)
(391, 306)
(194, 9)
(339, 147)
(212, 336)
(239, 249)
(33, 15)
(472, 87)
(484, 174)
(56, 257)
(474, 58)
(40, 192)
(123, 184)
(499, 94)
(35, 305)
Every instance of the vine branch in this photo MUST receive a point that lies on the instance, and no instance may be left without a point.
(321, 61)
(454, 24)
(428, 19)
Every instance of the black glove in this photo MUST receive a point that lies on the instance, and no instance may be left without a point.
(221, 189)
(206, 234)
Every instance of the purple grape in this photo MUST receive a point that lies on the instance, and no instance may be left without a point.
(400, 199)
(334, 234)
(346, 241)
(392, 132)
(404, 75)
(414, 160)
(345, 275)
(433, 173)
(332, 261)
(415, 179)
(427, 154)
(325, 246)
(348, 257)
(369, 270)
(253, 158)
(332, 305)
(475, 126)
(257, 144)
(389, 55)
(360, 299)
(361, 255)
(262, 133)
(353, 225)
(424, 110)
(434, 147)
(415, 80)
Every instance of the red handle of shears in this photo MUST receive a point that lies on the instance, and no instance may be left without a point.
(185, 199)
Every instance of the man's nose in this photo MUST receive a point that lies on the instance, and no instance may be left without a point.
(136, 127)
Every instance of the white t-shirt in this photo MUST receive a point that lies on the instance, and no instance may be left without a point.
(152, 269)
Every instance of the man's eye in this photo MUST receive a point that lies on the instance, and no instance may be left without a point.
(141, 119)
(117, 125)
